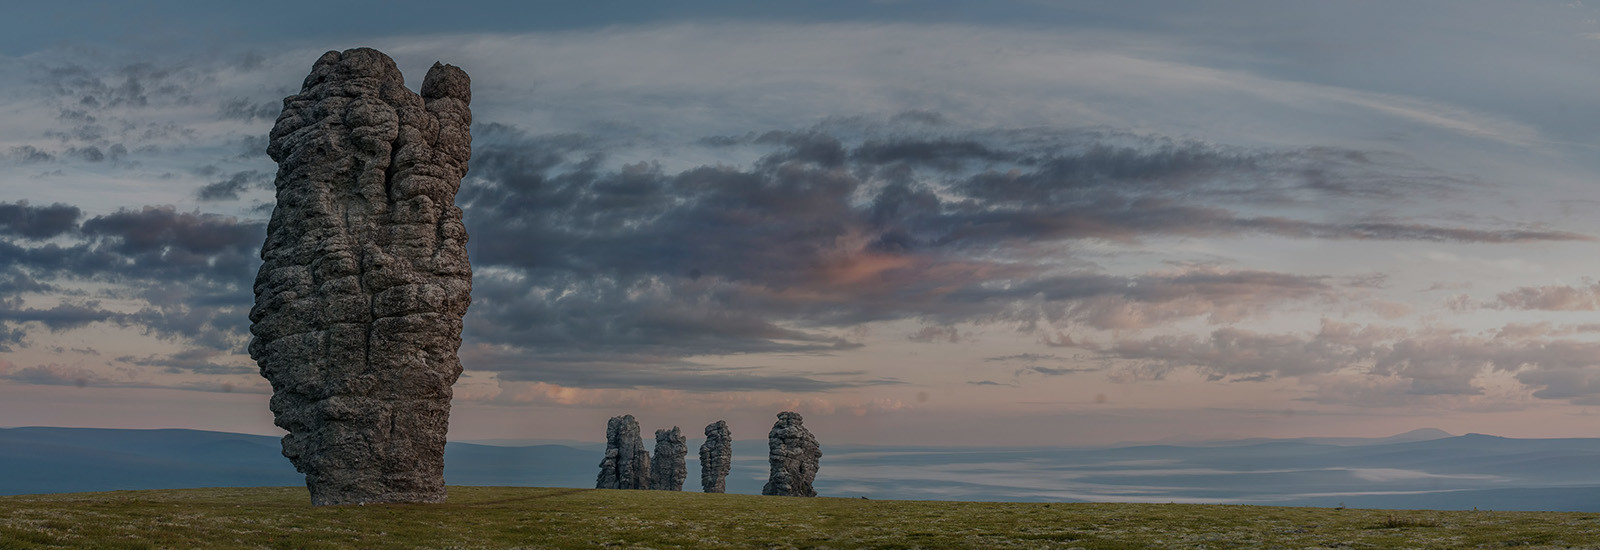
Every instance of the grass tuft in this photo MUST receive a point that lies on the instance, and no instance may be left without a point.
(1400, 522)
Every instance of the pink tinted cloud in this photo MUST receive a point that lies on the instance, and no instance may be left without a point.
(1552, 297)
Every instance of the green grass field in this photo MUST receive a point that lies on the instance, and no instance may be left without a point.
(516, 517)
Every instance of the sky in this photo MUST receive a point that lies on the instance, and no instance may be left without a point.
(1019, 222)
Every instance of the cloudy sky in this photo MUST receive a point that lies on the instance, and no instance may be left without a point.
(1008, 223)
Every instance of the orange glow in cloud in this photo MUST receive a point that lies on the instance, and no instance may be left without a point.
(864, 269)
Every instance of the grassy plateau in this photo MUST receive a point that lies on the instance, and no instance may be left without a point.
(521, 517)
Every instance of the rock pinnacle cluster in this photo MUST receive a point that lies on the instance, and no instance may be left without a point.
(667, 469)
(627, 463)
(716, 458)
(365, 278)
(793, 455)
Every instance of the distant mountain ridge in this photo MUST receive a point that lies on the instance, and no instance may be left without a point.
(1420, 434)
(1418, 469)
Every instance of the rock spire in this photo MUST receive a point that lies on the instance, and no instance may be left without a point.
(793, 455)
(716, 458)
(364, 279)
(667, 469)
(627, 463)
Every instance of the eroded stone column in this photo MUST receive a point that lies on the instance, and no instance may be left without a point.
(626, 464)
(794, 457)
(667, 468)
(716, 458)
(365, 278)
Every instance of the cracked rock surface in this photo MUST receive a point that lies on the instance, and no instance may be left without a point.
(794, 456)
(667, 468)
(626, 464)
(716, 458)
(365, 278)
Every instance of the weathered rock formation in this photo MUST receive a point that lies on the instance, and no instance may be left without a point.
(793, 454)
(365, 277)
(627, 464)
(667, 469)
(716, 458)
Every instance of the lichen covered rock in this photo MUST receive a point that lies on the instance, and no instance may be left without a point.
(667, 468)
(794, 457)
(716, 458)
(364, 279)
(626, 464)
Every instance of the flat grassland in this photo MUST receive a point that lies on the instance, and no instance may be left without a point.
(521, 517)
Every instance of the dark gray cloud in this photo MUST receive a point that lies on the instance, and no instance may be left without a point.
(252, 147)
(78, 132)
(795, 204)
(105, 110)
(131, 85)
(28, 154)
(172, 234)
(230, 187)
(14, 281)
(793, 207)
(250, 111)
(581, 261)
(675, 317)
(24, 220)
(211, 316)
(92, 153)
(87, 154)
(937, 333)
(11, 337)
(77, 116)
(191, 271)
(58, 318)
(823, 233)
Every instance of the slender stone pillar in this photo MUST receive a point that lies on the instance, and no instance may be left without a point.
(365, 277)
(716, 458)
(626, 464)
(667, 469)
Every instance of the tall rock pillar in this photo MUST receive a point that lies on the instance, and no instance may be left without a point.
(716, 458)
(365, 278)
(794, 456)
(667, 468)
(626, 464)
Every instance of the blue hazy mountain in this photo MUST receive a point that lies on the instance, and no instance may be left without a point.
(1423, 469)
